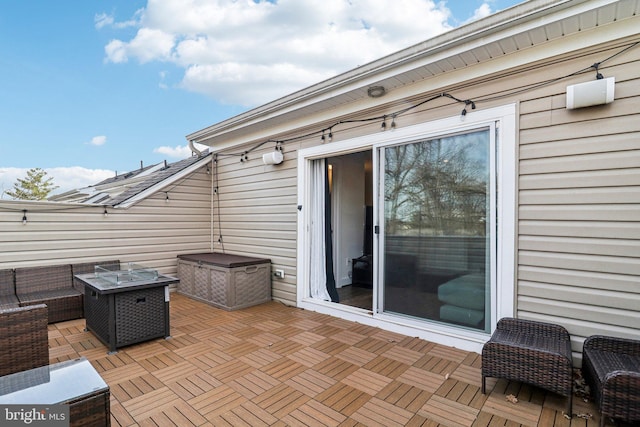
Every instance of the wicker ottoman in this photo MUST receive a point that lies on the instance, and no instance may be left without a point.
(532, 352)
(611, 367)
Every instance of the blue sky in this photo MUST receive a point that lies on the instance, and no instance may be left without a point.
(88, 88)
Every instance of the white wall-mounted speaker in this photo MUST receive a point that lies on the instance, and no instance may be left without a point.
(597, 92)
(273, 158)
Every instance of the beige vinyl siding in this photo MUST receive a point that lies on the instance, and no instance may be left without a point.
(579, 210)
(255, 213)
(152, 232)
(578, 191)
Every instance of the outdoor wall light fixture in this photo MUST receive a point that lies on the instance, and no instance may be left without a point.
(166, 196)
(376, 91)
(24, 217)
(105, 211)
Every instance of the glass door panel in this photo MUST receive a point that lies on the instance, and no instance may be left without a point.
(436, 242)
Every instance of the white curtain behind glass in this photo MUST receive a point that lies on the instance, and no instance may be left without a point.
(317, 268)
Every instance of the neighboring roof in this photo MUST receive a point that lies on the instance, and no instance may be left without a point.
(129, 188)
(490, 42)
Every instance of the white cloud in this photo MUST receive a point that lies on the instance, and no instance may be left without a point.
(66, 178)
(179, 151)
(248, 53)
(98, 140)
(482, 12)
(102, 20)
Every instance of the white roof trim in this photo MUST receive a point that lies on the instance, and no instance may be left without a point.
(521, 19)
(170, 180)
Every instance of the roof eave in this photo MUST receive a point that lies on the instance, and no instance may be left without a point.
(368, 74)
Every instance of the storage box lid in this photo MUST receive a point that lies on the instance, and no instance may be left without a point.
(223, 260)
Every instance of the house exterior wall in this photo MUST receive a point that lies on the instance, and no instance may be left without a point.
(152, 232)
(578, 215)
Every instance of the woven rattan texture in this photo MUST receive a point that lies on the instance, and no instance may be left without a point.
(536, 353)
(96, 311)
(7, 283)
(23, 339)
(8, 296)
(140, 315)
(611, 367)
(51, 285)
(46, 278)
(91, 411)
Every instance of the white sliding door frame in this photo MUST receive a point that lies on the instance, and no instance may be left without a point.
(503, 119)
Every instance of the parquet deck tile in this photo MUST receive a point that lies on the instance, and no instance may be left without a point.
(281, 400)
(287, 331)
(330, 346)
(356, 356)
(264, 339)
(247, 415)
(367, 381)
(416, 344)
(273, 365)
(468, 374)
(448, 412)
(449, 353)
(306, 338)
(402, 354)
(260, 358)
(231, 370)
(378, 413)
(283, 369)
(269, 325)
(176, 372)
(191, 351)
(211, 359)
(308, 356)
(254, 384)
(343, 398)
(524, 413)
(388, 367)
(348, 337)
(313, 414)
(217, 401)
(336, 368)
(404, 396)
(422, 379)
(374, 345)
(285, 347)
(310, 382)
(148, 404)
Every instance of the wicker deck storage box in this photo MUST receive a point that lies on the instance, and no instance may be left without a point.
(225, 281)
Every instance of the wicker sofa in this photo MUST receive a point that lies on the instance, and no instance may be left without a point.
(23, 338)
(532, 352)
(611, 367)
(53, 285)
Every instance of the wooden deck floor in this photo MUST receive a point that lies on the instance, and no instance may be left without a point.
(277, 365)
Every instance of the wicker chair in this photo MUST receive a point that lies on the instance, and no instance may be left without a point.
(24, 340)
(611, 367)
(51, 285)
(532, 352)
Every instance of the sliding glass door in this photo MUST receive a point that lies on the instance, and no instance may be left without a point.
(437, 215)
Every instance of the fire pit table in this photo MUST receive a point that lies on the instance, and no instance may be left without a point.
(125, 307)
